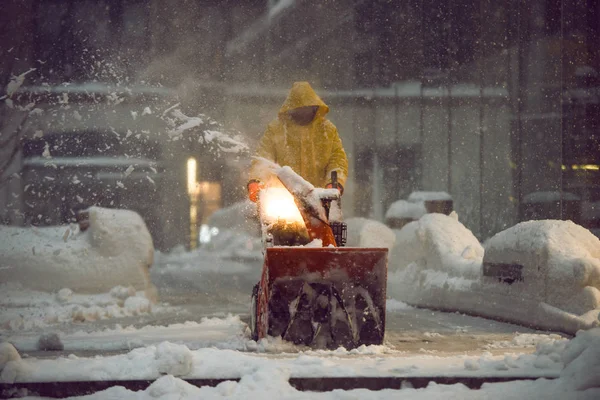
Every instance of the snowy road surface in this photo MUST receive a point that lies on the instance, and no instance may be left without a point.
(206, 304)
(199, 331)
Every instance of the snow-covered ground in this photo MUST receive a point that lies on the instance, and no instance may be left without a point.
(434, 262)
(574, 364)
(35, 311)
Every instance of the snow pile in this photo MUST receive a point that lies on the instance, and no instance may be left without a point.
(116, 250)
(8, 353)
(364, 232)
(420, 197)
(210, 363)
(582, 361)
(10, 363)
(173, 359)
(544, 274)
(25, 309)
(437, 242)
(403, 209)
(560, 262)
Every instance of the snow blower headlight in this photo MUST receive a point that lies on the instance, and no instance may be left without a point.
(277, 204)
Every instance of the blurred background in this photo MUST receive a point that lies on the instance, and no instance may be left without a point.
(496, 103)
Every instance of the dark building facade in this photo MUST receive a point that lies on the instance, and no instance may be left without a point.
(496, 103)
(493, 102)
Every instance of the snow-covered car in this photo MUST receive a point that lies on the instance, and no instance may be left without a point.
(543, 274)
(550, 262)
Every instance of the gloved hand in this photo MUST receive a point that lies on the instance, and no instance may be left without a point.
(339, 187)
(254, 187)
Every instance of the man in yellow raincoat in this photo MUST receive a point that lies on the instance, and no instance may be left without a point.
(303, 139)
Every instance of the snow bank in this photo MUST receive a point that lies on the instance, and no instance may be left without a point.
(539, 273)
(574, 364)
(419, 197)
(403, 209)
(437, 242)
(363, 232)
(8, 353)
(211, 363)
(558, 261)
(582, 361)
(116, 250)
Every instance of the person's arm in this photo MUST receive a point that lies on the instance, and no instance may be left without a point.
(338, 161)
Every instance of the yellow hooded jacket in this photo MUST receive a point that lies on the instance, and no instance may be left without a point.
(313, 150)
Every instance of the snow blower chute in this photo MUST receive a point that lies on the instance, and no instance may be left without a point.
(312, 290)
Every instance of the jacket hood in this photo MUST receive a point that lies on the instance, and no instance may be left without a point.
(302, 95)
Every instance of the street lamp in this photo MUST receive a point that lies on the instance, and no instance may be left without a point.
(193, 189)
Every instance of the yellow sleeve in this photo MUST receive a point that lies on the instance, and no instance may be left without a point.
(338, 161)
(266, 149)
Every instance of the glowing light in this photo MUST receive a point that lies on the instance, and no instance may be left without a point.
(207, 232)
(278, 204)
(192, 184)
(586, 167)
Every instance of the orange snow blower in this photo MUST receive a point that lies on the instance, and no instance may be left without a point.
(312, 290)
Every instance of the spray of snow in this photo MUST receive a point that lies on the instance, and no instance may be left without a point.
(16, 82)
(180, 124)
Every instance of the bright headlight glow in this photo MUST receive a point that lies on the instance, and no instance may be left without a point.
(278, 204)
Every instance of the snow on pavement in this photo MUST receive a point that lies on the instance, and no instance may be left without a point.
(223, 333)
(575, 364)
(210, 363)
(25, 310)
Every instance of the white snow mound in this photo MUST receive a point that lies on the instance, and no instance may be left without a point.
(174, 359)
(406, 209)
(363, 232)
(557, 255)
(581, 358)
(438, 242)
(543, 274)
(7, 353)
(116, 250)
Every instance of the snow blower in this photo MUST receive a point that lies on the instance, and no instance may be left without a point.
(312, 290)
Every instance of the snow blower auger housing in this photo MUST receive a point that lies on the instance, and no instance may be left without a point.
(322, 297)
